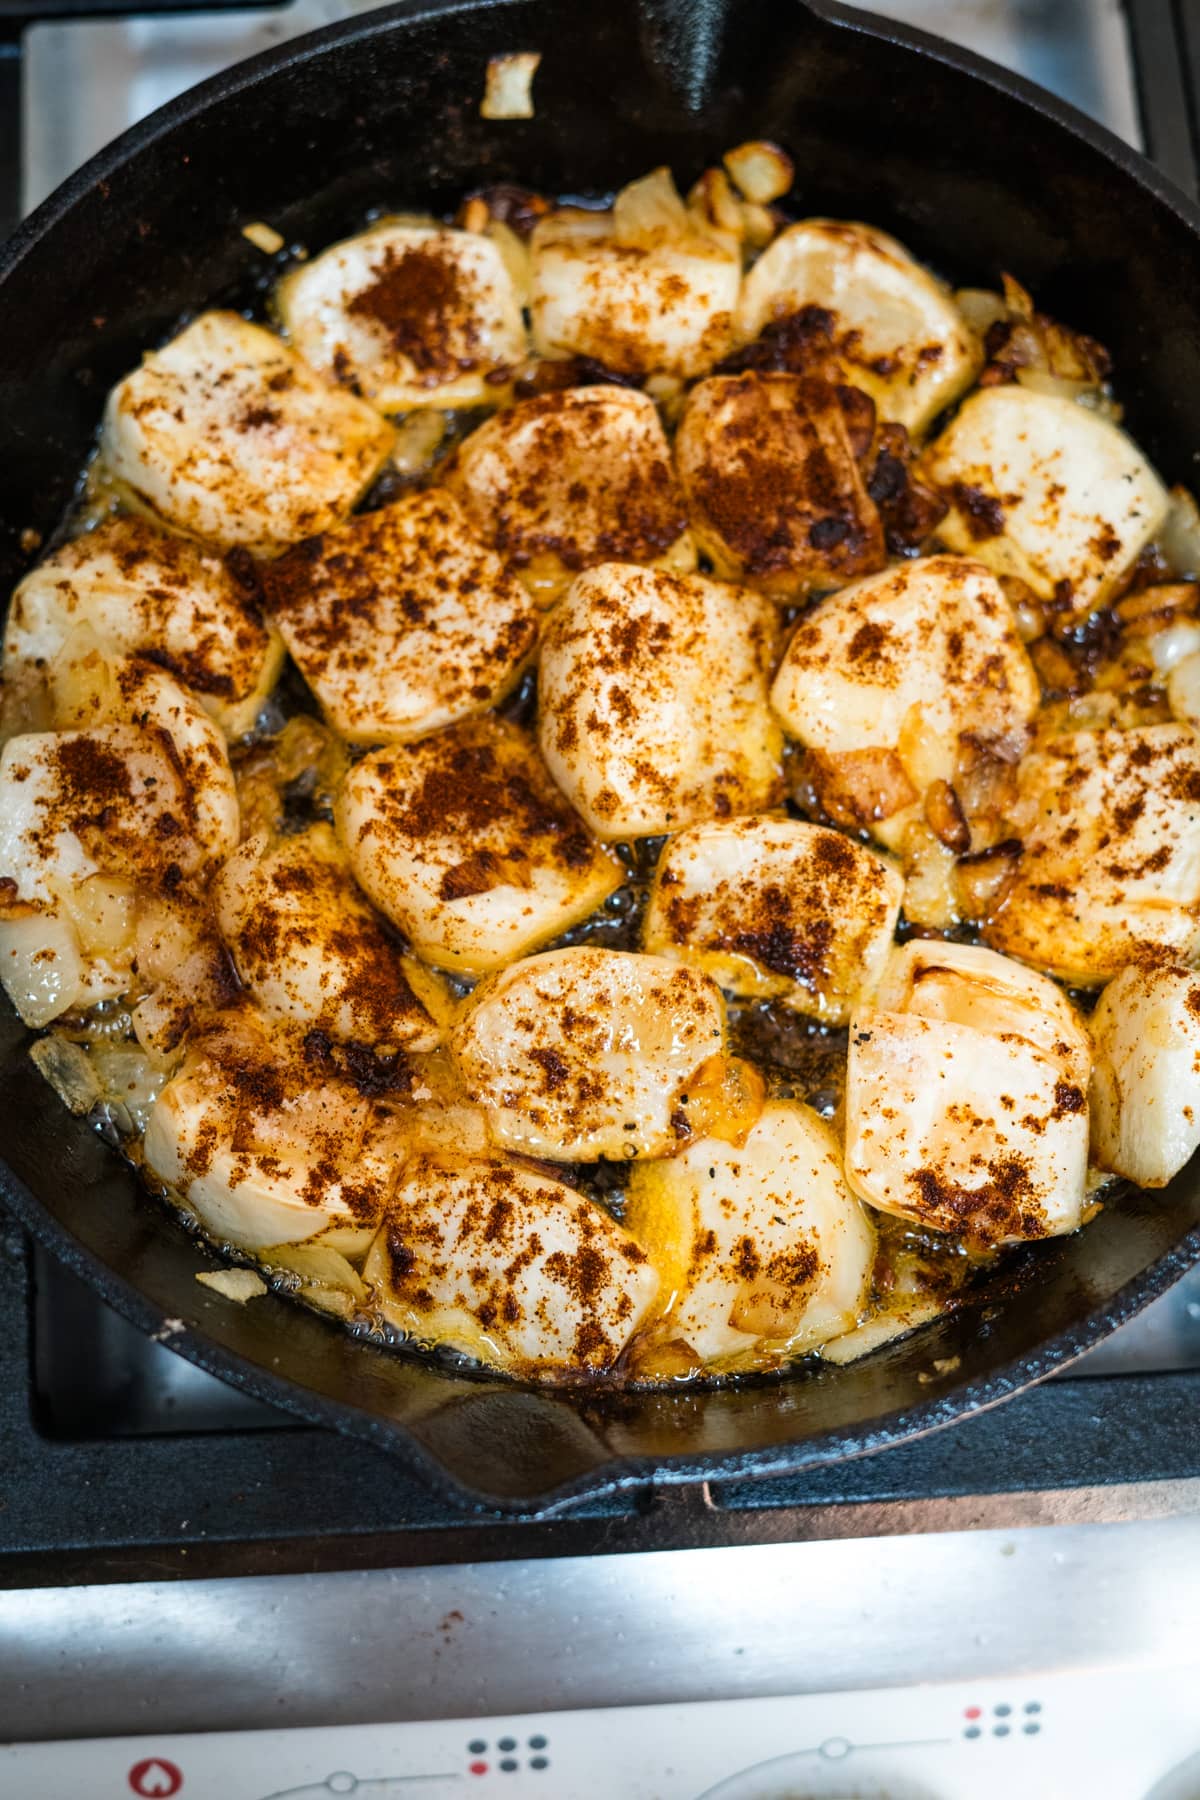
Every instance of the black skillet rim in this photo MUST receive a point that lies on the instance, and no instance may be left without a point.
(617, 1472)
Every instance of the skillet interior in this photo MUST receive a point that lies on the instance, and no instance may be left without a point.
(975, 172)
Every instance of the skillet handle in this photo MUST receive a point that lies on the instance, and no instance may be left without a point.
(685, 40)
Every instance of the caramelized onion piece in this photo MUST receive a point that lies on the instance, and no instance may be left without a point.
(945, 818)
(509, 90)
(860, 787)
(982, 876)
(763, 172)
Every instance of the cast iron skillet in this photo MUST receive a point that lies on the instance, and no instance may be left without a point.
(972, 168)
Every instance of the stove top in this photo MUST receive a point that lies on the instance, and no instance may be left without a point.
(961, 1741)
(127, 1466)
(124, 1461)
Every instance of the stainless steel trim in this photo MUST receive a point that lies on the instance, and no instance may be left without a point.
(600, 1631)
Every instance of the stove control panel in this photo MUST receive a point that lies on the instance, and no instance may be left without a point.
(1112, 1735)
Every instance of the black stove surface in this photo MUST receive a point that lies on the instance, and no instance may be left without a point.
(124, 1462)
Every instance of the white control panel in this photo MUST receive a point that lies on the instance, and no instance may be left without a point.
(1111, 1735)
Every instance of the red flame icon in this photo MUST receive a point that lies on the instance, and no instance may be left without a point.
(157, 1779)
